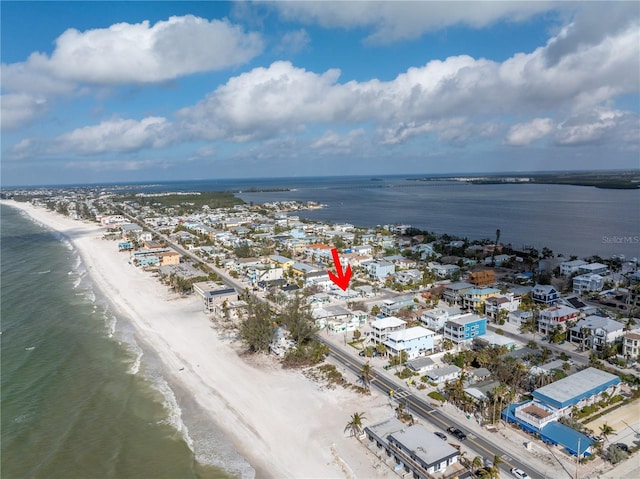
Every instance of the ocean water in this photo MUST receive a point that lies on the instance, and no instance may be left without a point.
(80, 398)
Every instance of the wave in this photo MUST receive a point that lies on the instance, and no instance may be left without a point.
(30, 348)
(174, 412)
(42, 272)
(135, 366)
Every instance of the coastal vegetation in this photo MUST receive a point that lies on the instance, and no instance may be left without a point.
(184, 202)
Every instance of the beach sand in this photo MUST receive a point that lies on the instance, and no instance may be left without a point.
(284, 424)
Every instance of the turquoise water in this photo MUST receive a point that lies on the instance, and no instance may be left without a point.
(77, 400)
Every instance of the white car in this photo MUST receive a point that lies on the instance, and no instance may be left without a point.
(519, 473)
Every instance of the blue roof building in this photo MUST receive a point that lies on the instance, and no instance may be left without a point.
(556, 400)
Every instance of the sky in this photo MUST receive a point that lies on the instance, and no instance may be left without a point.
(95, 92)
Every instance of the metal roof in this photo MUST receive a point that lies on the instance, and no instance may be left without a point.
(572, 389)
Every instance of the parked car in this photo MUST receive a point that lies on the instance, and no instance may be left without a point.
(441, 435)
(457, 433)
(622, 446)
(519, 473)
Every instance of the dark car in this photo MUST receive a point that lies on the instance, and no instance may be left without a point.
(622, 446)
(441, 435)
(457, 433)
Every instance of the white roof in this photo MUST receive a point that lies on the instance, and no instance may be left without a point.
(388, 322)
(410, 334)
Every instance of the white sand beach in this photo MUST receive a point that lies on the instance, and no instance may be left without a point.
(284, 424)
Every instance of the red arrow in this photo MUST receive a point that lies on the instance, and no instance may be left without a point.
(342, 279)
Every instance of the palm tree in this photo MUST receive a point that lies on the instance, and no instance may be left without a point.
(366, 374)
(476, 464)
(606, 430)
(354, 426)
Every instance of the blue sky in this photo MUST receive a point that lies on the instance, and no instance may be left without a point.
(135, 91)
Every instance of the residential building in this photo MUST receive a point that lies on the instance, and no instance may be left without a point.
(302, 269)
(281, 261)
(557, 399)
(441, 375)
(519, 316)
(593, 268)
(416, 450)
(414, 342)
(409, 276)
(392, 306)
(264, 273)
(421, 365)
(555, 317)
(482, 278)
(454, 292)
(569, 267)
(444, 270)
(501, 302)
(166, 258)
(464, 327)
(475, 298)
(382, 327)
(434, 319)
(596, 332)
(131, 230)
(379, 270)
(585, 283)
(631, 345)
(545, 294)
(212, 294)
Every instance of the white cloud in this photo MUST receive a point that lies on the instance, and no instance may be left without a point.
(294, 41)
(19, 109)
(400, 20)
(458, 99)
(524, 134)
(601, 125)
(115, 135)
(140, 53)
(332, 140)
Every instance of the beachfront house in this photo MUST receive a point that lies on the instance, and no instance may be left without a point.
(444, 270)
(212, 294)
(415, 450)
(593, 268)
(541, 414)
(519, 316)
(415, 342)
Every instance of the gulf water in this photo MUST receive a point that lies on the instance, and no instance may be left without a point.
(79, 399)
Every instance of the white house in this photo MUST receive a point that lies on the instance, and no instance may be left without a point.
(414, 342)
(569, 267)
(434, 318)
(631, 344)
(587, 282)
(444, 270)
(502, 302)
(593, 268)
(382, 327)
(598, 332)
(379, 270)
(443, 374)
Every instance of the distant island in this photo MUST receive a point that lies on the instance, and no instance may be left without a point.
(622, 180)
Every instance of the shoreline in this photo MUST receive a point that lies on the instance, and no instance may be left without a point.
(256, 404)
